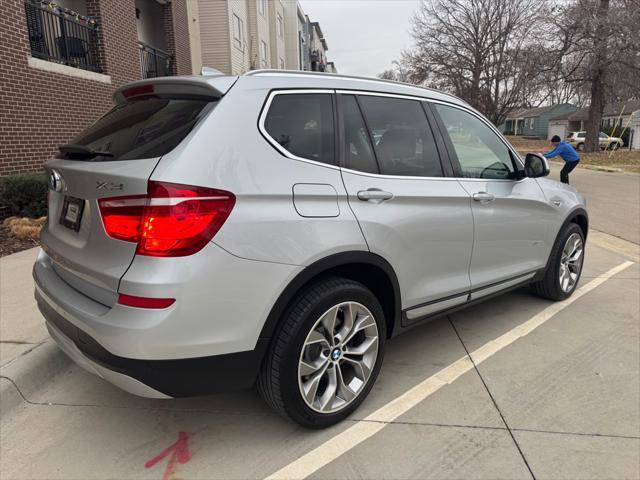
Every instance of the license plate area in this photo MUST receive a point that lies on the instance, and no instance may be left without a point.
(71, 214)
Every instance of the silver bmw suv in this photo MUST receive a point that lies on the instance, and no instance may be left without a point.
(277, 228)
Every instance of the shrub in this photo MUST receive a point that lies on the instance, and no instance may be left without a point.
(25, 228)
(25, 195)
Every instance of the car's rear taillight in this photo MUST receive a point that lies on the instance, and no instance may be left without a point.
(170, 221)
(144, 302)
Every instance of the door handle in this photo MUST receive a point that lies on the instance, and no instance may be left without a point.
(375, 195)
(483, 197)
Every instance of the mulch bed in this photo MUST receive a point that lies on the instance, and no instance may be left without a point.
(10, 244)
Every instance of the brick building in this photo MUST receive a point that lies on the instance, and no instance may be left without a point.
(62, 60)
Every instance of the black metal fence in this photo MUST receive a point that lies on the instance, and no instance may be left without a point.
(154, 62)
(57, 37)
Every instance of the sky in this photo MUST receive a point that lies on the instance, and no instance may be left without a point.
(363, 36)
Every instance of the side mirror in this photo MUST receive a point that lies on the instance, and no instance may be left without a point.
(536, 165)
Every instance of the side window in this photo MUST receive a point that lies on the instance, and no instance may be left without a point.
(480, 151)
(358, 152)
(403, 141)
(303, 125)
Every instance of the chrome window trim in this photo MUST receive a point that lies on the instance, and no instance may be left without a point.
(401, 177)
(273, 142)
(286, 153)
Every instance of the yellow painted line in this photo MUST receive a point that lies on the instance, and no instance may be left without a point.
(375, 422)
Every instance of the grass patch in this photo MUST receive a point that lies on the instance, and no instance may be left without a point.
(624, 159)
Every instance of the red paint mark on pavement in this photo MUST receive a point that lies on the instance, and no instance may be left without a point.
(179, 451)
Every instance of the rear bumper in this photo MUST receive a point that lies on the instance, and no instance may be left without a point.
(208, 341)
(153, 378)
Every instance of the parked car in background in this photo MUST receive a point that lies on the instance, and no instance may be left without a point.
(576, 139)
(210, 233)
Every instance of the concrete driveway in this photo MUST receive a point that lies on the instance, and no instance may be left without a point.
(517, 387)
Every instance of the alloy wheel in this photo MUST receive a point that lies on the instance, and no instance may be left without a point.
(338, 357)
(571, 262)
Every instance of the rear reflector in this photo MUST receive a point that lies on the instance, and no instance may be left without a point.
(170, 221)
(143, 302)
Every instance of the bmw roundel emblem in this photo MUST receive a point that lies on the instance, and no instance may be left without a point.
(335, 355)
(55, 181)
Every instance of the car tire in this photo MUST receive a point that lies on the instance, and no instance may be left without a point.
(614, 146)
(565, 265)
(580, 147)
(301, 346)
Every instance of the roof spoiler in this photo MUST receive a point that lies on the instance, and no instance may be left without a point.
(212, 87)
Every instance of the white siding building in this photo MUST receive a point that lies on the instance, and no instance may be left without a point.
(235, 36)
(634, 131)
(276, 21)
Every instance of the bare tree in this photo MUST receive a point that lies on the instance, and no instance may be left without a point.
(483, 51)
(398, 73)
(602, 39)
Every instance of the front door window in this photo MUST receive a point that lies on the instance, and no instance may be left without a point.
(481, 153)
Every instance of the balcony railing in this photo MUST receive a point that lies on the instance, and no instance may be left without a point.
(154, 62)
(58, 38)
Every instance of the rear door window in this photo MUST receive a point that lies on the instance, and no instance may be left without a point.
(142, 128)
(358, 152)
(403, 141)
(302, 124)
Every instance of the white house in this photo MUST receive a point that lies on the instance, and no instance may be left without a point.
(618, 113)
(634, 131)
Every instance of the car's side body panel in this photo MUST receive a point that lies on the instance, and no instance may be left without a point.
(513, 233)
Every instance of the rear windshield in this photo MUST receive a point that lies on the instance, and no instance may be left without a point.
(142, 128)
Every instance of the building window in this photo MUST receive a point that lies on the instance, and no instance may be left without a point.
(279, 27)
(237, 31)
(263, 54)
(64, 36)
(262, 5)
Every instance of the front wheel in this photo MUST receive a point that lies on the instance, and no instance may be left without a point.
(614, 146)
(580, 147)
(565, 265)
(327, 354)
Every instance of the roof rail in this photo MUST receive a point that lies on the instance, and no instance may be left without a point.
(257, 73)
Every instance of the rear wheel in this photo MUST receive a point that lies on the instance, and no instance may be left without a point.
(327, 354)
(614, 146)
(565, 265)
(580, 147)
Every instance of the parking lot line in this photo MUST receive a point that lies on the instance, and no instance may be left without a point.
(376, 421)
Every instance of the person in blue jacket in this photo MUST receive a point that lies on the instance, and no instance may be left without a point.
(567, 153)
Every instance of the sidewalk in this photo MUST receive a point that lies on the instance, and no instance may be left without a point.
(21, 325)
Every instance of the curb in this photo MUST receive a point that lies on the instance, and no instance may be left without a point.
(615, 244)
(600, 168)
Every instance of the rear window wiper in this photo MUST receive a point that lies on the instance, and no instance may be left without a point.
(80, 151)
